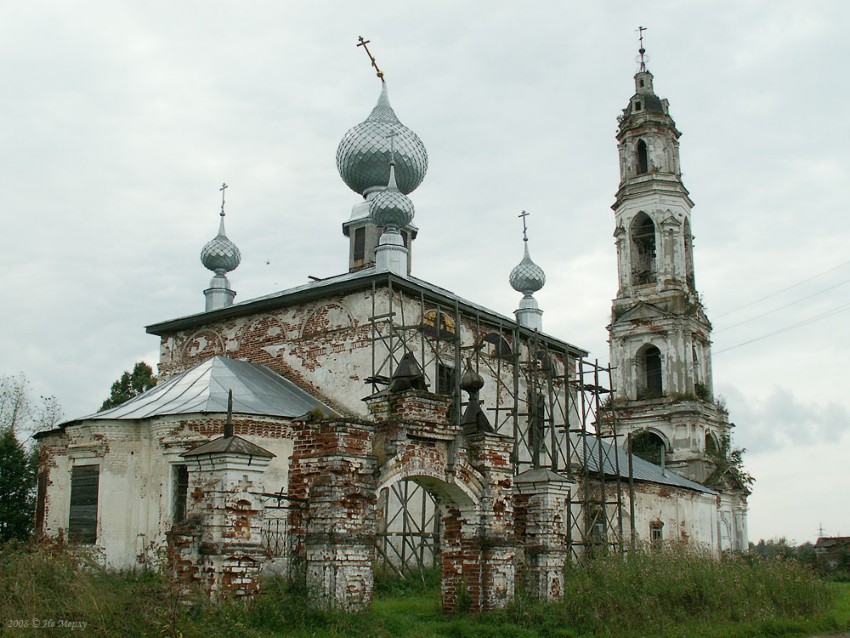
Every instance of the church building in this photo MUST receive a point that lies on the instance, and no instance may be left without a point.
(375, 420)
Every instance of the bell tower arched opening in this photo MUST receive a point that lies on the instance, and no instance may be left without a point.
(689, 256)
(642, 158)
(648, 446)
(649, 373)
(643, 250)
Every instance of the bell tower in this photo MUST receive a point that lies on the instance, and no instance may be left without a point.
(659, 334)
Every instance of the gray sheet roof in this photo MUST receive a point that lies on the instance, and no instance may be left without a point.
(330, 285)
(256, 390)
(641, 470)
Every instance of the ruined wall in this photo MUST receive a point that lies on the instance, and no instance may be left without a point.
(136, 461)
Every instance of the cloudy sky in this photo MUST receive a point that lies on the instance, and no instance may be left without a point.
(120, 120)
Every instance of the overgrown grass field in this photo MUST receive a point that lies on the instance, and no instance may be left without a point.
(667, 593)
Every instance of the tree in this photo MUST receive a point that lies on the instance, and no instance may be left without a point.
(20, 414)
(130, 385)
(17, 488)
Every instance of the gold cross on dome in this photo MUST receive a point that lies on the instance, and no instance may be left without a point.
(362, 43)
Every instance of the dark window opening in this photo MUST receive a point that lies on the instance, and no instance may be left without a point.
(359, 243)
(711, 447)
(637, 107)
(643, 250)
(648, 446)
(649, 371)
(405, 237)
(641, 83)
(536, 425)
(642, 158)
(181, 492)
(82, 521)
(40, 502)
(656, 532)
(446, 379)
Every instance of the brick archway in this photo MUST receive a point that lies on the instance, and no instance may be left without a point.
(339, 467)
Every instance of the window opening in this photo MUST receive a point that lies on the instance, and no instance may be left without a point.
(181, 492)
(643, 250)
(648, 446)
(656, 532)
(82, 520)
(637, 108)
(445, 379)
(642, 156)
(360, 243)
(689, 256)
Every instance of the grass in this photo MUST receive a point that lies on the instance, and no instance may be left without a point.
(673, 593)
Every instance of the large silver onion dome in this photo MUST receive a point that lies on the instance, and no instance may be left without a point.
(363, 155)
(390, 208)
(527, 277)
(220, 254)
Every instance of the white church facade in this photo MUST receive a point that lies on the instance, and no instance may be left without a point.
(376, 418)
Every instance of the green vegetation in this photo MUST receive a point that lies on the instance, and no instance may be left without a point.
(662, 593)
(130, 385)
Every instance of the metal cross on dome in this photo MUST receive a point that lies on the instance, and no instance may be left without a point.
(222, 189)
(641, 50)
(523, 215)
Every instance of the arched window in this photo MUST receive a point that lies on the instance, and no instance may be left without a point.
(649, 378)
(642, 158)
(643, 250)
(689, 256)
(711, 446)
(648, 446)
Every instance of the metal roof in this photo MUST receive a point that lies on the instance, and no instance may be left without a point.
(256, 390)
(340, 283)
(641, 470)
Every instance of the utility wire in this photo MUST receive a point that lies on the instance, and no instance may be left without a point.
(778, 292)
(824, 315)
(790, 303)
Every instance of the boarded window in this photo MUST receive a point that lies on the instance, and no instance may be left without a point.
(82, 522)
(359, 243)
(181, 492)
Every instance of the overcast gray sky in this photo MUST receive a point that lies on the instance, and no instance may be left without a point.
(120, 120)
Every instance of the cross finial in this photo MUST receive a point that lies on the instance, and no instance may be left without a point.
(222, 189)
(523, 215)
(362, 43)
(641, 50)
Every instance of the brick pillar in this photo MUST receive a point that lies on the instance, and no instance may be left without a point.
(219, 544)
(486, 540)
(333, 469)
(541, 517)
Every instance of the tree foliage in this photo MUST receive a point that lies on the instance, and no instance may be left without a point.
(131, 384)
(17, 488)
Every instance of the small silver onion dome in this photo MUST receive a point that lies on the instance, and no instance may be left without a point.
(527, 277)
(390, 208)
(363, 154)
(220, 254)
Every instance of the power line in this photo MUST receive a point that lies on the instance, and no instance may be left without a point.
(790, 303)
(824, 315)
(778, 292)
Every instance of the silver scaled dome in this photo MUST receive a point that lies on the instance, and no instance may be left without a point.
(390, 208)
(363, 155)
(527, 277)
(220, 254)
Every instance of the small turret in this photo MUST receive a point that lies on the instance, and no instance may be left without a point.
(221, 256)
(527, 278)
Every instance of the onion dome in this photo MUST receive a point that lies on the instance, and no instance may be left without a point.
(471, 382)
(527, 277)
(390, 208)
(220, 254)
(364, 155)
